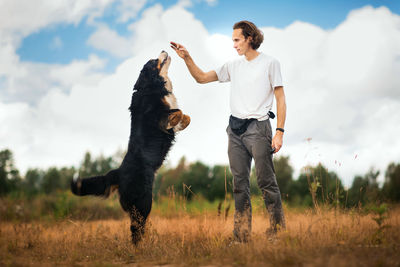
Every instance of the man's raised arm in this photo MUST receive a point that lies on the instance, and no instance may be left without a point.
(199, 75)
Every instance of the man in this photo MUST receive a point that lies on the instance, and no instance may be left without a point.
(255, 79)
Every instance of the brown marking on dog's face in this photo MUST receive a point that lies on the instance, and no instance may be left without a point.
(163, 62)
(163, 65)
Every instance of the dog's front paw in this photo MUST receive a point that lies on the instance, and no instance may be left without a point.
(174, 118)
(182, 124)
(185, 122)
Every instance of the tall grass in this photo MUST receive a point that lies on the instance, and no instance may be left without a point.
(192, 233)
(59, 206)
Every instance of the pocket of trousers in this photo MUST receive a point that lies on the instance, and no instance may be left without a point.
(264, 127)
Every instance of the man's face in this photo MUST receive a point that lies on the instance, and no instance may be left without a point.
(239, 42)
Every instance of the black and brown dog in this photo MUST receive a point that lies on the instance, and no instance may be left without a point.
(155, 118)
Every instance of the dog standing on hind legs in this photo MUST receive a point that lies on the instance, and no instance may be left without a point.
(155, 118)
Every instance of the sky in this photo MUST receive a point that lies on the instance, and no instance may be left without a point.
(67, 69)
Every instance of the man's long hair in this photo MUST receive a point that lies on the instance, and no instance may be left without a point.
(250, 30)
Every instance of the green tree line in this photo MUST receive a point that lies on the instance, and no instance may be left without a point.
(315, 184)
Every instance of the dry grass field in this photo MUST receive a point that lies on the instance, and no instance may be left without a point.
(326, 238)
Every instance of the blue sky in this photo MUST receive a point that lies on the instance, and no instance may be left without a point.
(63, 43)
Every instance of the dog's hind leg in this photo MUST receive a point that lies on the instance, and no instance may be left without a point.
(137, 230)
(138, 215)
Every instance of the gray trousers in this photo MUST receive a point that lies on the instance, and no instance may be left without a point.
(254, 143)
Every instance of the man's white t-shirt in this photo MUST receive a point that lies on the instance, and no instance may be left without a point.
(252, 85)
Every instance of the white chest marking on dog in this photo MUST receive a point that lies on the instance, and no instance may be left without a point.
(171, 99)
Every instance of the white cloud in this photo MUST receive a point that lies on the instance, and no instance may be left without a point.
(23, 17)
(341, 87)
(29, 82)
(129, 9)
(184, 3)
(25, 81)
(108, 40)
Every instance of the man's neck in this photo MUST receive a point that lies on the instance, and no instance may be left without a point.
(251, 54)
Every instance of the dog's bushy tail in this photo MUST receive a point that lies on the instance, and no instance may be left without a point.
(98, 185)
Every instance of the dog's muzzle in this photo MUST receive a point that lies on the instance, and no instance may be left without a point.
(164, 60)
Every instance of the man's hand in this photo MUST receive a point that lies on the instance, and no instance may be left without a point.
(180, 50)
(277, 141)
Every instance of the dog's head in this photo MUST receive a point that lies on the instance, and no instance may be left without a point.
(163, 63)
(154, 74)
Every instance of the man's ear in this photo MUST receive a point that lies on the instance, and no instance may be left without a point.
(249, 39)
